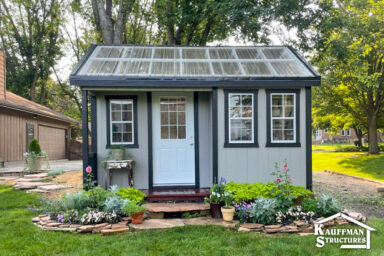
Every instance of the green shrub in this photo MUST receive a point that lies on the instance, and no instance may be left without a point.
(309, 205)
(115, 204)
(263, 210)
(132, 208)
(249, 192)
(55, 172)
(78, 201)
(34, 147)
(132, 194)
(352, 149)
(327, 205)
(97, 196)
(53, 207)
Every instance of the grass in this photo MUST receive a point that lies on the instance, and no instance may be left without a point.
(19, 236)
(356, 164)
(331, 147)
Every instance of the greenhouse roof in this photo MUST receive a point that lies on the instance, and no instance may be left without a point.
(122, 64)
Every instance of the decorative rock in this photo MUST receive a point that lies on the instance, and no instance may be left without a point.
(74, 226)
(355, 215)
(37, 175)
(53, 224)
(30, 185)
(254, 227)
(242, 229)
(35, 190)
(64, 226)
(289, 229)
(28, 180)
(114, 231)
(272, 228)
(341, 221)
(45, 218)
(85, 229)
(210, 221)
(301, 223)
(36, 219)
(98, 230)
(66, 229)
(127, 219)
(101, 225)
(42, 215)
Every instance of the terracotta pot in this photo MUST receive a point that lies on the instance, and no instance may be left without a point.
(228, 213)
(137, 218)
(215, 210)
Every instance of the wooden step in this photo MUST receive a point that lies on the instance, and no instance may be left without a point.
(177, 194)
(176, 207)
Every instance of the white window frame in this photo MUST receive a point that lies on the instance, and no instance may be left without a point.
(122, 101)
(346, 133)
(283, 118)
(177, 119)
(240, 118)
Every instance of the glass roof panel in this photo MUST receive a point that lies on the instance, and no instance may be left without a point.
(152, 61)
(134, 67)
(256, 68)
(166, 53)
(221, 54)
(248, 53)
(277, 53)
(289, 68)
(194, 53)
(196, 68)
(165, 68)
(226, 68)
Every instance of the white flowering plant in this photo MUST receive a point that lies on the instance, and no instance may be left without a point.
(293, 213)
(217, 192)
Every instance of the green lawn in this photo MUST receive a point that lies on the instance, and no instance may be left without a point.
(331, 147)
(19, 236)
(357, 164)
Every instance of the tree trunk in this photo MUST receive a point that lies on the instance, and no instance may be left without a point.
(372, 134)
(359, 135)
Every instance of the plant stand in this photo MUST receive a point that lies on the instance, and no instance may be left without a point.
(125, 165)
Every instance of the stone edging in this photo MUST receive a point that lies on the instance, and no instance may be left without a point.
(301, 227)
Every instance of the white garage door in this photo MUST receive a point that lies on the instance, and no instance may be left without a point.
(52, 141)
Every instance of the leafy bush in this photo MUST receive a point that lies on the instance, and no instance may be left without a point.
(97, 196)
(78, 201)
(309, 205)
(327, 205)
(34, 147)
(132, 194)
(249, 192)
(263, 210)
(115, 204)
(132, 208)
(55, 172)
(69, 217)
(53, 207)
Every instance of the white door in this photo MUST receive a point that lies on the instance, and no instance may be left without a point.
(173, 139)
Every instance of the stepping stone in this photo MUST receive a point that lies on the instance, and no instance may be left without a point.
(176, 207)
(30, 185)
(52, 187)
(37, 191)
(158, 224)
(11, 173)
(210, 221)
(114, 231)
(28, 180)
(37, 175)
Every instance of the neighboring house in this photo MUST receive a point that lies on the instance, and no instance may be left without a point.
(342, 136)
(21, 120)
(190, 115)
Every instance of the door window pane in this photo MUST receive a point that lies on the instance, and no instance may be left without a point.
(173, 117)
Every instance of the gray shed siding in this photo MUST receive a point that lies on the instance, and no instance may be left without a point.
(248, 165)
(141, 171)
(140, 153)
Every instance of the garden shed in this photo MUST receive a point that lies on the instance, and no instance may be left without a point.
(190, 115)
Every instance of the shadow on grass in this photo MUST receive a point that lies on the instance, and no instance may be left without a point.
(367, 164)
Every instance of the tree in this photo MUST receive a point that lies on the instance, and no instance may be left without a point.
(29, 34)
(111, 19)
(350, 52)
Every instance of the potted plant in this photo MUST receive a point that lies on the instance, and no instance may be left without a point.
(136, 212)
(117, 152)
(228, 210)
(34, 157)
(215, 200)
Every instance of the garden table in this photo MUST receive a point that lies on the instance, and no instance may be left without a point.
(125, 165)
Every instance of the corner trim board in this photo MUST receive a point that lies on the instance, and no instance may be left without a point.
(196, 135)
(308, 136)
(84, 121)
(150, 145)
(215, 167)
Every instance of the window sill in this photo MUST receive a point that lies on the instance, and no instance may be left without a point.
(282, 145)
(123, 145)
(241, 145)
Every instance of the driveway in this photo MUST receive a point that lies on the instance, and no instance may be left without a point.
(65, 165)
(354, 194)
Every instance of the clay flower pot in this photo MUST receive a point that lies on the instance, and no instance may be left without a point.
(228, 212)
(215, 210)
(137, 218)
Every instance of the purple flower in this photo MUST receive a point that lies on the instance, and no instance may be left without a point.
(62, 220)
(70, 217)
